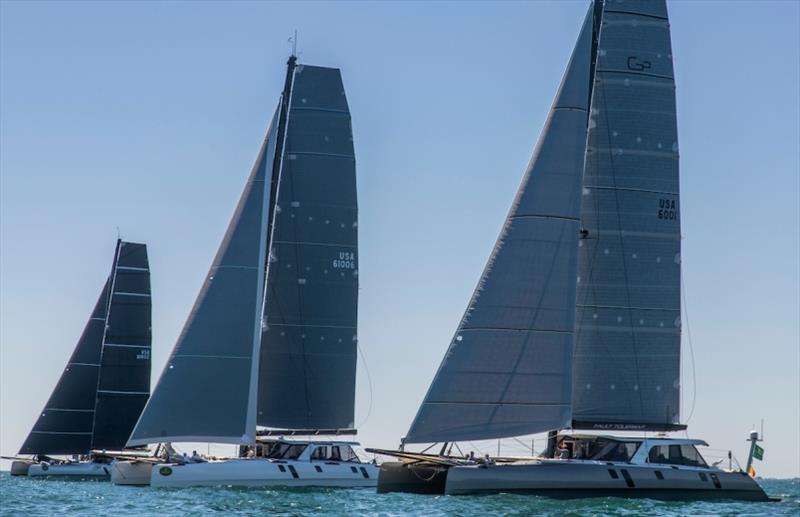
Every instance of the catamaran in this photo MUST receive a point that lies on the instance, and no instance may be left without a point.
(105, 384)
(576, 321)
(269, 350)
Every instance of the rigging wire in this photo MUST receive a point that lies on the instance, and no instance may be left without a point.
(369, 382)
(691, 350)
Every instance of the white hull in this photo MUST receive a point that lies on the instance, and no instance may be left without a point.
(81, 470)
(557, 478)
(265, 472)
(131, 472)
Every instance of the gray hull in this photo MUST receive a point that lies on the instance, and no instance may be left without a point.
(20, 467)
(395, 476)
(571, 480)
(577, 479)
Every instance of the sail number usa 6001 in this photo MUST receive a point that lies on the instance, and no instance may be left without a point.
(667, 209)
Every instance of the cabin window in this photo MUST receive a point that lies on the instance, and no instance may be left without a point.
(335, 453)
(320, 453)
(348, 454)
(287, 451)
(676, 455)
(612, 450)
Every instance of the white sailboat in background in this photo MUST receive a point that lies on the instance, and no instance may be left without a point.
(271, 341)
(105, 384)
(576, 320)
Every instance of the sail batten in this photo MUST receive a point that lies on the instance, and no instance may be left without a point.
(507, 371)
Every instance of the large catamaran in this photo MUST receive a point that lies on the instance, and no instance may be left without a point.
(269, 349)
(105, 384)
(576, 321)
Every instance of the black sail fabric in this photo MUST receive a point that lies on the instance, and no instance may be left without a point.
(508, 369)
(308, 353)
(206, 391)
(627, 349)
(124, 384)
(65, 424)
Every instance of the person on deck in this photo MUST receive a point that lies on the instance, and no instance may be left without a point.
(563, 451)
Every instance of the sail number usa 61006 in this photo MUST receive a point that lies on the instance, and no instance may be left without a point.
(345, 260)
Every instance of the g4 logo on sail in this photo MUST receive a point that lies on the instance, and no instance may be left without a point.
(638, 66)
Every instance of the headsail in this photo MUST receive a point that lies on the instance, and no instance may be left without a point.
(507, 371)
(627, 351)
(203, 393)
(308, 354)
(67, 422)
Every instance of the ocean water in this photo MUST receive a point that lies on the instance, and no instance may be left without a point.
(24, 496)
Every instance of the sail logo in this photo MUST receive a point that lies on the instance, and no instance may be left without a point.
(667, 209)
(345, 260)
(638, 66)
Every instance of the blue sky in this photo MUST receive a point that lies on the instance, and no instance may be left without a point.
(146, 117)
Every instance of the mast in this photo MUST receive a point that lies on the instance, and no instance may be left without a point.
(267, 231)
(281, 139)
(112, 278)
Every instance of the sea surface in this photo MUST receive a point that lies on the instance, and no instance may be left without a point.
(24, 496)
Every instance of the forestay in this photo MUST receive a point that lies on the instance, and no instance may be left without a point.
(627, 351)
(508, 370)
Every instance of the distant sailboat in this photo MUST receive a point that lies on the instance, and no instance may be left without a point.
(575, 323)
(271, 340)
(106, 382)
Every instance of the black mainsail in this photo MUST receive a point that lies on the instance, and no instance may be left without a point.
(575, 321)
(107, 380)
(274, 324)
(308, 351)
(626, 365)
